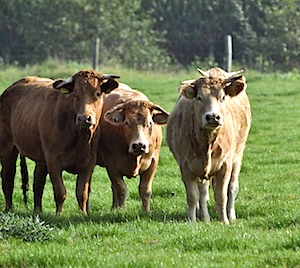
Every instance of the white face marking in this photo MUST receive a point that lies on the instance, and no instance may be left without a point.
(140, 141)
(212, 117)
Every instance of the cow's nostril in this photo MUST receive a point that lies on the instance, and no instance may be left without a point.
(214, 117)
(88, 119)
(138, 147)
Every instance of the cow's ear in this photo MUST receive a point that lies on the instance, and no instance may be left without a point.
(115, 117)
(235, 86)
(65, 86)
(160, 116)
(188, 90)
(108, 85)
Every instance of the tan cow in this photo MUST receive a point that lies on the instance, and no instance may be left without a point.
(53, 128)
(130, 141)
(207, 133)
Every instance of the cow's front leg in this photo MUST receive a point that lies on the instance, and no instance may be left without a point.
(59, 189)
(145, 186)
(233, 190)
(220, 193)
(40, 174)
(192, 192)
(203, 186)
(83, 190)
(118, 186)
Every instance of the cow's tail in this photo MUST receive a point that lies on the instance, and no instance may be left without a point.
(24, 175)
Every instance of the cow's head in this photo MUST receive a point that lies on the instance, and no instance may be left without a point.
(137, 118)
(87, 88)
(210, 94)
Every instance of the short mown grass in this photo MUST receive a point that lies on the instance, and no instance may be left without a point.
(266, 233)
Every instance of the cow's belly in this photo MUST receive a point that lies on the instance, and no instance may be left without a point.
(27, 141)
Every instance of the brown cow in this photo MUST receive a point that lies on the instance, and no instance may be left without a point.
(207, 132)
(130, 141)
(53, 128)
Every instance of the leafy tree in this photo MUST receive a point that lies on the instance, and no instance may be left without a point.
(198, 28)
(33, 30)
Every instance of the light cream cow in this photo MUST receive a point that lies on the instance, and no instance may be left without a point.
(207, 133)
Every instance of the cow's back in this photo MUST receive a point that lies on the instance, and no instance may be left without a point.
(21, 104)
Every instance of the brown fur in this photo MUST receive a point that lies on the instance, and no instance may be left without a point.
(211, 149)
(124, 111)
(53, 128)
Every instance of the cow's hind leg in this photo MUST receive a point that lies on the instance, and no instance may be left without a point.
(40, 174)
(25, 177)
(8, 173)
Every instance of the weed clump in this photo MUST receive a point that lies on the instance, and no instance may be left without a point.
(30, 229)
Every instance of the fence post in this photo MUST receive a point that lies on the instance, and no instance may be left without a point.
(96, 54)
(229, 52)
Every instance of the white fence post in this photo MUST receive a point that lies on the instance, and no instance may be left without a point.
(96, 54)
(229, 52)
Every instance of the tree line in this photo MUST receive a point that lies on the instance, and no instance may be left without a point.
(152, 34)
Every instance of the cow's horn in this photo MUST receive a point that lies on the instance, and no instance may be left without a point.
(205, 74)
(110, 76)
(233, 74)
(187, 82)
(66, 81)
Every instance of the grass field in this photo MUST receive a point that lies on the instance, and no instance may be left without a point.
(266, 233)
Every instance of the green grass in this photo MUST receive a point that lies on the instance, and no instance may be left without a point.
(266, 233)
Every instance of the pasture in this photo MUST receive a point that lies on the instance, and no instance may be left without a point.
(267, 230)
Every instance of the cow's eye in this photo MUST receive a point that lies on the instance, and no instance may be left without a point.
(199, 98)
(98, 94)
(223, 98)
(150, 128)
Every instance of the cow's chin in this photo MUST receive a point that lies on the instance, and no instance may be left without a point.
(87, 127)
(212, 127)
(137, 152)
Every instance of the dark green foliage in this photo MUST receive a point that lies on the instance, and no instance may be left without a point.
(150, 34)
(32, 31)
(30, 229)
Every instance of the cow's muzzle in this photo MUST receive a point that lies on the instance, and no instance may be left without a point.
(138, 148)
(212, 121)
(85, 121)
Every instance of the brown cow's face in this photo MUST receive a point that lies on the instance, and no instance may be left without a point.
(210, 95)
(137, 118)
(87, 88)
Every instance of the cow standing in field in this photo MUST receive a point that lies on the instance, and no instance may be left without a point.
(207, 133)
(54, 129)
(130, 141)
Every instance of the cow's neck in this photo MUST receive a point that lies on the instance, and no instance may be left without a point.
(211, 138)
(136, 164)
